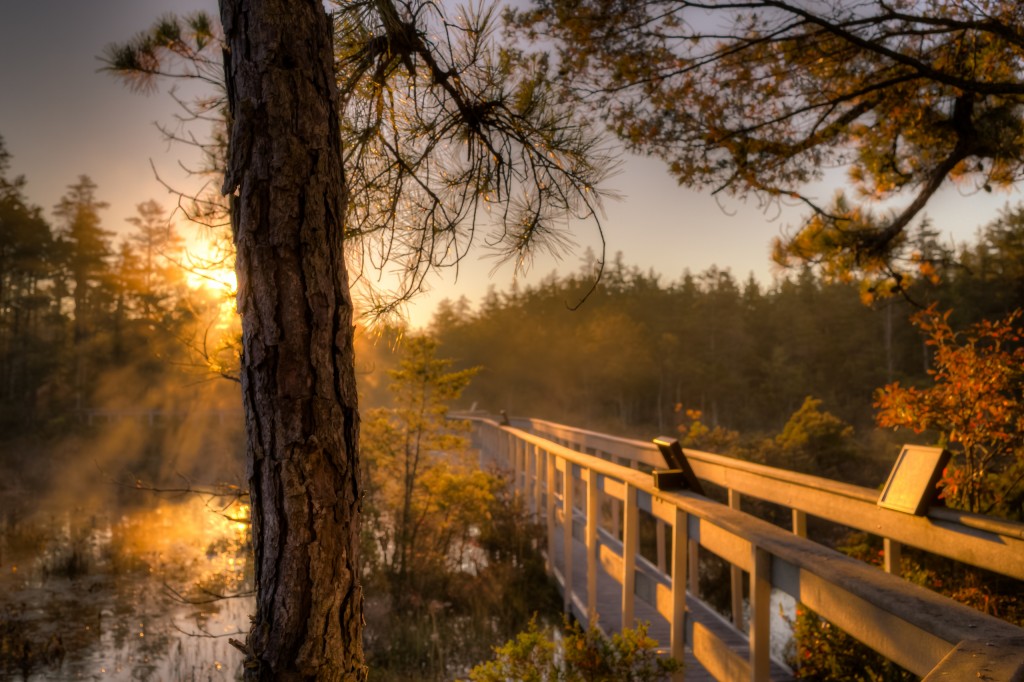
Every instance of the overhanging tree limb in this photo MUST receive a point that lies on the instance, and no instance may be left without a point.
(760, 97)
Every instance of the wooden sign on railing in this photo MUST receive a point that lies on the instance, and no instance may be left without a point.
(680, 474)
(911, 487)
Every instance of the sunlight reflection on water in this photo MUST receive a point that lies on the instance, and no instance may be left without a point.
(136, 597)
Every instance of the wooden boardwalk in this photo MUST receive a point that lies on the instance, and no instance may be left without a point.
(555, 467)
(609, 601)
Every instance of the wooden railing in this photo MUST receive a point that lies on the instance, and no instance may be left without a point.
(980, 541)
(566, 475)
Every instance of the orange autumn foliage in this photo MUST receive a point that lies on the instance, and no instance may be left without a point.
(975, 405)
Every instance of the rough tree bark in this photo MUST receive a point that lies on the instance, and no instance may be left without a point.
(285, 176)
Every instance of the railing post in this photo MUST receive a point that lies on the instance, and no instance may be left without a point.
(617, 512)
(799, 523)
(527, 473)
(522, 467)
(680, 545)
(513, 450)
(567, 503)
(736, 573)
(760, 615)
(517, 465)
(497, 437)
(549, 503)
(538, 487)
(527, 476)
(630, 543)
(592, 518)
(893, 555)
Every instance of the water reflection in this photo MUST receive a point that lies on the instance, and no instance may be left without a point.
(150, 594)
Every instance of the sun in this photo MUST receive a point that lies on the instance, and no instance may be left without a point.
(217, 279)
(210, 263)
(209, 268)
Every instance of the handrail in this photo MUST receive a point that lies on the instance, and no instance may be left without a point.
(918, 629)
(992, 544)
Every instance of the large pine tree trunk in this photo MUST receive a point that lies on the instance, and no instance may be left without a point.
(285, 175)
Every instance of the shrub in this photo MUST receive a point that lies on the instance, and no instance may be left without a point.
(577, 655)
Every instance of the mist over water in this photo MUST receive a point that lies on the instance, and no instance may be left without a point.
(113, 563)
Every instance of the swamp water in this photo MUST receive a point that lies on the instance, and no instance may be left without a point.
(151, 593)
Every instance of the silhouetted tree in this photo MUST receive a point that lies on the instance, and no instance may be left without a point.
(87, 250)
(27, 351)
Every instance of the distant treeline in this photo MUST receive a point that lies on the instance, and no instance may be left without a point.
(89, 320)
(641, 352)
